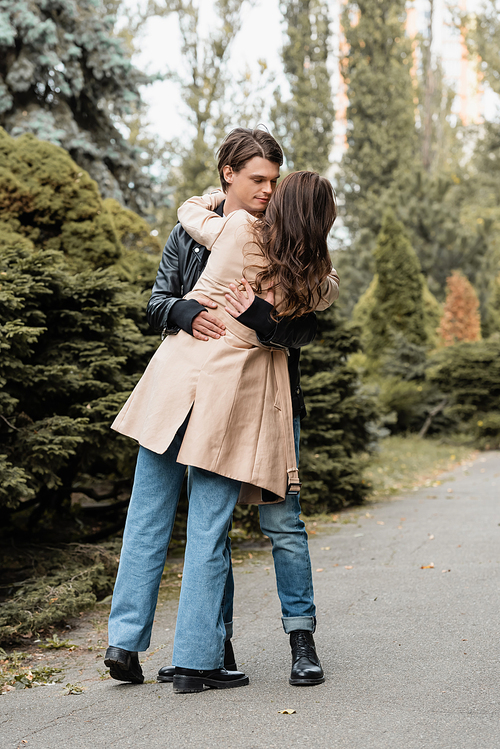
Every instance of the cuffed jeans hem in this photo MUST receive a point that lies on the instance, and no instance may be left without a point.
(229, 630)
(293, 623)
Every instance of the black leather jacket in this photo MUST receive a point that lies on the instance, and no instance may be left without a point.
(181, 265)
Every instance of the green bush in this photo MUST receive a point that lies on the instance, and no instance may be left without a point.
(78, 575)
(338, 427)
(469, 375)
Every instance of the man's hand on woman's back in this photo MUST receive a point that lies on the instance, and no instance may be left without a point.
(205, 325)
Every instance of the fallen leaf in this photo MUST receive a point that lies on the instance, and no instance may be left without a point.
(287, 712)
(326, 548)
(335, 518)
(431, 537)
(427, 566)
(380, 522)
(320, 569)
(235, 561)
(400, 527)
(250, 556)
(449, 491)
(348, 567)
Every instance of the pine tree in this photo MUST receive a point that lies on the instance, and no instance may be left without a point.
(381, 138)
(394, 303)
(67, 79)
(460, 321)
(337, 429)
(304, 122)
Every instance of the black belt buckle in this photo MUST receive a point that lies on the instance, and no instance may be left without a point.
(294, 488)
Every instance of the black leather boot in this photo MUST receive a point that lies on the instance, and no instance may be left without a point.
(306, 668)
(191, 680)
(166, 673)
(123, 665)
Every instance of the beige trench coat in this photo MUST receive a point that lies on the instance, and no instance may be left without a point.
(238, 391)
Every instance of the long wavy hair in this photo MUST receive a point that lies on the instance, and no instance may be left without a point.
(292, 235)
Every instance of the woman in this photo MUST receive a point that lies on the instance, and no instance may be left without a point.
(224, 409)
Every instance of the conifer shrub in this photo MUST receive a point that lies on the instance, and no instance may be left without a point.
(62, 583)
(399, 317)
(340, 416)
(71, 352)
(398, 305)
(469, 375)
(461, 320)
(75, 274)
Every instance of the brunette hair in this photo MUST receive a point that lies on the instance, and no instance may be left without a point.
(243, 144)
(292, 235)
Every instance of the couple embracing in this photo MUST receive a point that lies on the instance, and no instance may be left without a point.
(221, 396)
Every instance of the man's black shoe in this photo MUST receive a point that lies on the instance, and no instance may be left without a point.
(306, 668)
(191, 680)
(166, 673)
(123, 665)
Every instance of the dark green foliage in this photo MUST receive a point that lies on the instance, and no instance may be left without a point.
(76, 577)
(469, 374)
(67, 79)
(48, 201)
(73, 278)
(394, 303)
(406, 398)
(71, 353)
(337, 428)
(304, 122)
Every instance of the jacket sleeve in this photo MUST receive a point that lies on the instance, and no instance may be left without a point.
(199, 220)
(166, 309)
(283, 334)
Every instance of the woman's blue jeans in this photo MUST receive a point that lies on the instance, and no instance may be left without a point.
(200, 631)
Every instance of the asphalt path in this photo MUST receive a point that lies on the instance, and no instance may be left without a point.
(408, 634)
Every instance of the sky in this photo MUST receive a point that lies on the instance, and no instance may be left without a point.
(260, 38)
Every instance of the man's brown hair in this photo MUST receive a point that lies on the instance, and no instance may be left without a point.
(243, 144)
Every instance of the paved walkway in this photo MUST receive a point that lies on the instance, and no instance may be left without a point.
(411, 651)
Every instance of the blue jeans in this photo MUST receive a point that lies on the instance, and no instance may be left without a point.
(200, 632)
(292, 563)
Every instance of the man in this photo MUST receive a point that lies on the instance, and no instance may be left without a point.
(249, 164)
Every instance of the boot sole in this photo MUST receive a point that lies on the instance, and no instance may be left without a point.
(184, 684)
(306, 682)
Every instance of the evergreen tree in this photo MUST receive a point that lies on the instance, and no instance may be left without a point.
(66, 78)
(340, 415)
(72, 327)
(395, 301)
(469, 374)
(460, 321)
(304, 122)
(381, 137)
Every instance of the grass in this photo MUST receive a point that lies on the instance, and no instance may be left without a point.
(403, 463)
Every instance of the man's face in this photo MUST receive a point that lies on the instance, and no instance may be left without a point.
(252, 186)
